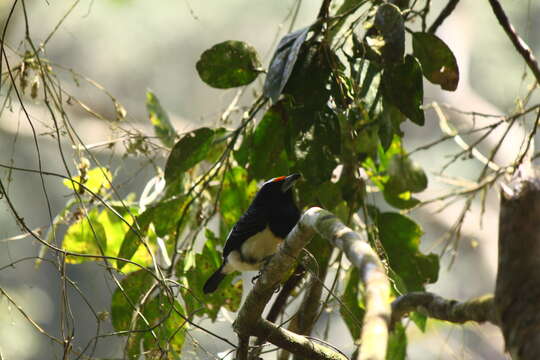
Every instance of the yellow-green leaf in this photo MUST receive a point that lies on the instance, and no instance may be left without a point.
(93, 180)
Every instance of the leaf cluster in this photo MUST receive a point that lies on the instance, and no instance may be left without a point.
(338, 92)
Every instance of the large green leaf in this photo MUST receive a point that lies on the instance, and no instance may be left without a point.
(403, 200)
(309, 81)
(402, 86)
(282, 63)
(400, 237)
(135, 285)
(158, 117)
(191, 149)
(405, 175)
(397, 343)
(229, 64)
(328, 194)
(351, 310)
(194, 274)
(94, 180)
(267, 157)
(164, 215)
(439, 64)
(236, 195)
(389, 124)
(85, 236)
(389, 22)
(317, 148)
(166, 319)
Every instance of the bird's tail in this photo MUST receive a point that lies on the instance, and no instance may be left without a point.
(213, 282)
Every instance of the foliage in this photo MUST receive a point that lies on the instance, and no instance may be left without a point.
(335, 96)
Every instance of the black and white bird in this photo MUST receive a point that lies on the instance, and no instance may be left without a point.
(257, 234)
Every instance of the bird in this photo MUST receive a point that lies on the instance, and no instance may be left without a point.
(256, 235)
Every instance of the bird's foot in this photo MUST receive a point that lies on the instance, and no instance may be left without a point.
(256, 277)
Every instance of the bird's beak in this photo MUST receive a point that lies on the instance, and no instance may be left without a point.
(289, 181)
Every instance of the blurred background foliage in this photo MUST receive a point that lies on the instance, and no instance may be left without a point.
(147, 162)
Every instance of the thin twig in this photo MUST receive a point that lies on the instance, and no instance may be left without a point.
(521, 46)
(448, 9)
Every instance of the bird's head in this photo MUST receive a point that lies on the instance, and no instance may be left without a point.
(277, 189)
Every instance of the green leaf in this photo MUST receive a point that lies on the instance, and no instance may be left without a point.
(317, 150)
(85, 236)
(351, 310)
(282, 63)
(405, 175)
(400, 237)
(329, 195)
(93, 180)
(328, 131)
(389, 124)
(158, 117)
(191, 149)
(229, 64)
(132, 241)
(402, 200)
(266, 146)
(419, 319)
(402, 86)
(164, 215)
(170, 332)
(439, 64)
(321, 249)
(198, 303)
(309, 83)
(236, 195)
(135, 285)
(318, 163)
(389, 22)
(397, 344)
(164, 318)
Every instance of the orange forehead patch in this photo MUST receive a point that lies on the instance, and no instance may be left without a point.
(279, 178)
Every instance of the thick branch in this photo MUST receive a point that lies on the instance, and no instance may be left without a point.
(521, 46)
(479, 309)
(518, 277)
(294, 343)
(375, 329)
(374, 335)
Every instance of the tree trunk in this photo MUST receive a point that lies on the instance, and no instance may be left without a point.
(517, 294)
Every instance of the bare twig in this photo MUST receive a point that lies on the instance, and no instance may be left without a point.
(448, 9)
(521, 46)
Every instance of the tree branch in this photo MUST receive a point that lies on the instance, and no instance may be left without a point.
(296, 344)
(521, 46)
(375, 328)
(479, 309)
(448, 9)
(374, 336)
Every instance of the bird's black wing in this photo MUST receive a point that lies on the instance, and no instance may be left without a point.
(252, 222)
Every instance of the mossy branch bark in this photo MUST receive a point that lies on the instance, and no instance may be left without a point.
(480, 309)
(374, 335)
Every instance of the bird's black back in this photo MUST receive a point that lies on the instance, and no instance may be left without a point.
(270, 208)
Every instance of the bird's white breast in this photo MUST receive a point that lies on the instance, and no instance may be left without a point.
(258, 247)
